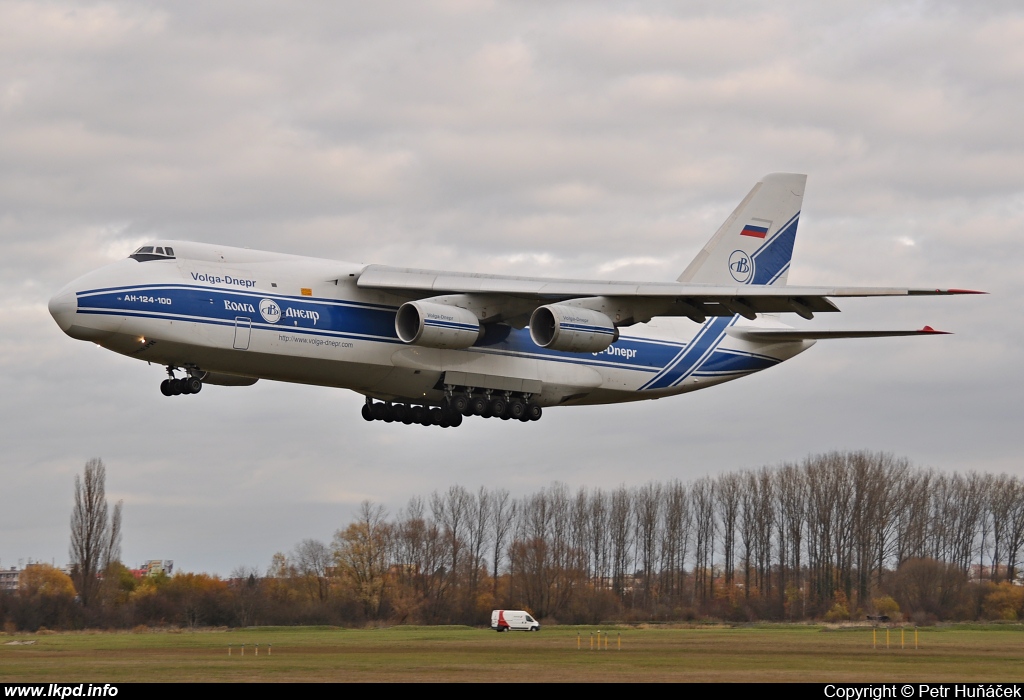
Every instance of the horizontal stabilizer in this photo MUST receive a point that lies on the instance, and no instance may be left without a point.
(780, 335)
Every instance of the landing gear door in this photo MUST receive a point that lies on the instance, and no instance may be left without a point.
(243, 329)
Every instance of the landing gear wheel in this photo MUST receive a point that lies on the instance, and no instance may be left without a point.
(367, 414)
(460, 403)
(455, 420)
(165, 388)
(176, 388)
(534, 411)
(516, 409)
(379, 411)
(478, 405)
(498, 406)
(194, 384)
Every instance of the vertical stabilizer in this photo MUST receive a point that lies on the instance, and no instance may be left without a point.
(755, 244)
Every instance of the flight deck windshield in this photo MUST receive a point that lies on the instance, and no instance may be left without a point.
(149, 252)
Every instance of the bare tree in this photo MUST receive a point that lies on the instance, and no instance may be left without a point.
(677, 538)
(648, 504)
(112, 551)
(451, 511)
(727, 500)
(95, 539)
(312, 560)
(620, 536)
(703, 501)
(479, 519)
(502, 516)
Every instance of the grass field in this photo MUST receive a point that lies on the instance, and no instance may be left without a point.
(765, 653)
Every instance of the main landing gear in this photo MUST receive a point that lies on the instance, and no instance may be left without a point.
(189, 384)
(409, 414)
(455, 407)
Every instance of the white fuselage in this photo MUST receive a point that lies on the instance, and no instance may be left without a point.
(243, 313)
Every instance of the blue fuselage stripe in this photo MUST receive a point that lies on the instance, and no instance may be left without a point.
(670, 362)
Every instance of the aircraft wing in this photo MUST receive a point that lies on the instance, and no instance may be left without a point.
(768, 335)
(657, 299)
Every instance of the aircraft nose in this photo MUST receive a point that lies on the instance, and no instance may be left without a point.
(62, 307)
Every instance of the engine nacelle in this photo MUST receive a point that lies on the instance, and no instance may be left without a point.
(571, 329)
(437, 325)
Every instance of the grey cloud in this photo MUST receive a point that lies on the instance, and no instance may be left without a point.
(588, 139)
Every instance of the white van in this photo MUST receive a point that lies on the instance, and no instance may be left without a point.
(502, 620)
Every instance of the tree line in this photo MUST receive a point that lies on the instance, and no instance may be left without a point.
(836, 537)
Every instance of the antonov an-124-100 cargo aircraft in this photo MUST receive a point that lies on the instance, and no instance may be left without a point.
(431, 347)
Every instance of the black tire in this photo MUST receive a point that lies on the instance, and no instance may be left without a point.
(534, 411)
(478, 405)
(379, 411)
(194, 384)
(498, 406)
(165, 388)
(416, 414)
(455, 420)
(436, 415)
(399, 411)
(176, 387)
(516, 409)
(459, 402)
(367, 414)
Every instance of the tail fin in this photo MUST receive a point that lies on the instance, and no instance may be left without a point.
(755, 244)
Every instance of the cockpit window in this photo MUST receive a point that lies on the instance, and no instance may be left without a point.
(148, 252)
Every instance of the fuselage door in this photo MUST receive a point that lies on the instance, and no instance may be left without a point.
(243, 329)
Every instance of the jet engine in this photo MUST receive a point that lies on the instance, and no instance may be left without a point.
(437, 325)
(572, 329)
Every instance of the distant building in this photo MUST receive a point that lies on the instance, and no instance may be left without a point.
(9, 579)
(154, 567)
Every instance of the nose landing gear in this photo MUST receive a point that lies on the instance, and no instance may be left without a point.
(189, 384)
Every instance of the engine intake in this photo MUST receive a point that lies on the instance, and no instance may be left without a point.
(571, 329)
(437, 325)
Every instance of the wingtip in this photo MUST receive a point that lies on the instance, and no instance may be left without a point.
(963, 291)
(928, 330)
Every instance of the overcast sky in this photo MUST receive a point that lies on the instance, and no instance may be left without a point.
(574, 139)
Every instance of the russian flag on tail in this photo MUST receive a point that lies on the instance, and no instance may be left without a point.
(755, 229)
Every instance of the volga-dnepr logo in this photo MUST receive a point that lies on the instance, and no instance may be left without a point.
(741, 266)
(270, 311)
